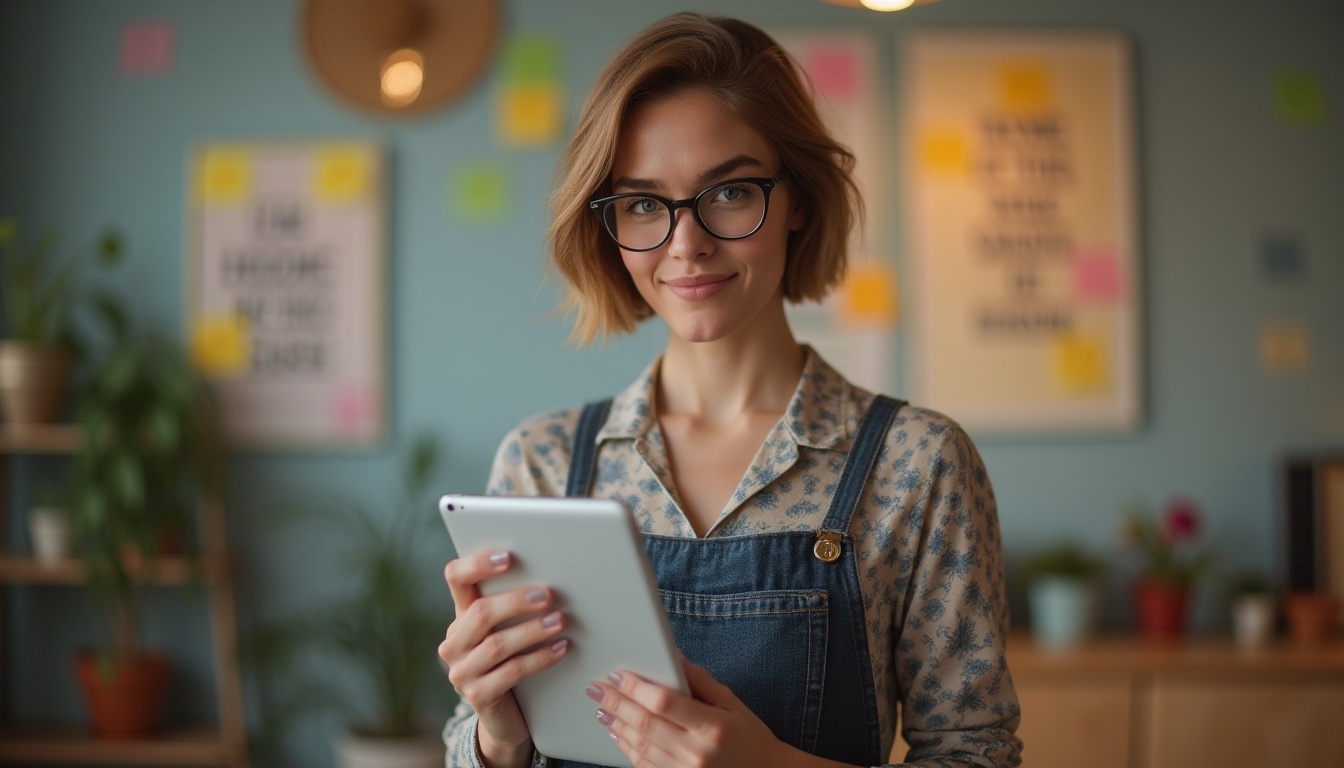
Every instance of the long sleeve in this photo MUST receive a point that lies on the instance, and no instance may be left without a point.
(958, 702)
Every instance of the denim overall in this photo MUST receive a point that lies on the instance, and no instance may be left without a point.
(776, 617)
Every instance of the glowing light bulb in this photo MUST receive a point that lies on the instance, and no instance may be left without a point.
(403, 76)
(887, 5)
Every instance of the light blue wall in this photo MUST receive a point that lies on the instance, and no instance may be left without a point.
(472, 349)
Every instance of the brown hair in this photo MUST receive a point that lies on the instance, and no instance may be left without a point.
(759, 82)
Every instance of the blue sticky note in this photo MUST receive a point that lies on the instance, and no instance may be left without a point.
(1281, 257)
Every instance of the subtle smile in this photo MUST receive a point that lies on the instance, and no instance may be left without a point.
(697, 287)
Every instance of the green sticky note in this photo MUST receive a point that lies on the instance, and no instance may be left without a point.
(480, 193)
(532, 60)
(1299, 98)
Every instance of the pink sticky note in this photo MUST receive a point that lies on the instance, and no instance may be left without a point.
(353, 410)
(833, 72)
(148, 47)
(1096, 274)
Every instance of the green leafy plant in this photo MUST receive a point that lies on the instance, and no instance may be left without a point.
(1248, 582)
(152, 448)
(386, 622)
(1065, 559)
(40, 293)
(1166, 541)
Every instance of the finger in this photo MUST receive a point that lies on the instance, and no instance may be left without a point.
(464, 573)
(491, 686)
(646, 725)
(658, 699)
(477, 624)
(705, 688)
(639, 750)
(499, 645)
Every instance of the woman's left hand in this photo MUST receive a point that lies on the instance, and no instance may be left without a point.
(656, 727)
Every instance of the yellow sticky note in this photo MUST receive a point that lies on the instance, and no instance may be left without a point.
(531, 116)
(869, 294)
(220, 345)
(1080, 362)
(1025, 87)
(226, 176)
(340, 174)
(1284, 348)
(945, 153)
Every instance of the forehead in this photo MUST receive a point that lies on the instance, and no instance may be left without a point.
(674, 139)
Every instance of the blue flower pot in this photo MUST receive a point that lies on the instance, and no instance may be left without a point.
(1061, 611)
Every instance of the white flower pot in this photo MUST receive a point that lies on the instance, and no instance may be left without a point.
(355, 750)
(49, 529)
(1253, 620)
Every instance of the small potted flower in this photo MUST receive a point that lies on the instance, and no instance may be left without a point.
(1171, 562)
(1252, 602)
(1061, 593)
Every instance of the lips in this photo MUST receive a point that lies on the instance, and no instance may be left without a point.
(697, 287)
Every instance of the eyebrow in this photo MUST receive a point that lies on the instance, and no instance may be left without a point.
(717, 172)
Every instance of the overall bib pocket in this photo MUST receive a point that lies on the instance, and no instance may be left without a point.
(768, 647)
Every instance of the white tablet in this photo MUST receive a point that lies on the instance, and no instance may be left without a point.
(590, 553)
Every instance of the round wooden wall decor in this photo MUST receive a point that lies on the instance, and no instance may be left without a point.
(399, 57)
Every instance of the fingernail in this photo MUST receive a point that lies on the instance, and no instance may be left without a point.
(551, 620)
(560, 645)
(537, 595)
(604, 717)
(615, 678)
(499, 558)
(594, 693)
(612, 734)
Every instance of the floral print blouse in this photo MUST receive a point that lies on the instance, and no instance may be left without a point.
(926, 534)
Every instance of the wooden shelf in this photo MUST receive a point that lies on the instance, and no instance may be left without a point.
(1195, 655)
(194, 746)
(167, 571)
(40, 438)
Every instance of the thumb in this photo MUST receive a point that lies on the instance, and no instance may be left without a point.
(705, 688)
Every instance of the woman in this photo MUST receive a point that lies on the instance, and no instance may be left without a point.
(701, 187)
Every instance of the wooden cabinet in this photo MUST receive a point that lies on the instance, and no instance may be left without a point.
(1204, 702)
(225, 745)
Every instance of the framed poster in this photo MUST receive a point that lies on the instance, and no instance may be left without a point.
(1020, 212)
(285, 291)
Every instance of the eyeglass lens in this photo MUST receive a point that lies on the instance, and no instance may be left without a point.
(729, 210)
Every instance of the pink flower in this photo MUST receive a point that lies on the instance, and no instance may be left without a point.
(1180, 520)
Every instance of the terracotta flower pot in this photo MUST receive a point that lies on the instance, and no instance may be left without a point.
(1160, 609)
(1311, 616)
(128, 703)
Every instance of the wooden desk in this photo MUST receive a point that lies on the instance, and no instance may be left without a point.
(1116, 702)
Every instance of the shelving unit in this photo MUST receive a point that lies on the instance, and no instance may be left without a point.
(225, 745)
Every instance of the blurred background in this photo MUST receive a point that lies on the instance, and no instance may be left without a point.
(104, 104)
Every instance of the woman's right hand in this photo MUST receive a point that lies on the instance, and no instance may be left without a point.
(485, 663)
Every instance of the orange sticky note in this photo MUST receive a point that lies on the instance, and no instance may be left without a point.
(531, 116)
(1025, 87)
(945, 153)
(1284, 347)
(869, 294)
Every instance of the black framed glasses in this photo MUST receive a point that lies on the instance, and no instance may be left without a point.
(728, 210)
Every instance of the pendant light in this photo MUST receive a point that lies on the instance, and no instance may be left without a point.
(880, 5)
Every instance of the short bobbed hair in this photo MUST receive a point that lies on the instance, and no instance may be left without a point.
(760, 83)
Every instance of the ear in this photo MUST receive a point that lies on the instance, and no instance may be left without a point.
(797, 216)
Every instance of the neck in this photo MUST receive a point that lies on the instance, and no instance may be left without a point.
(754, 371)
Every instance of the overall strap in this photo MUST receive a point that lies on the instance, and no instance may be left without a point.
(583, 460)
(854, 477)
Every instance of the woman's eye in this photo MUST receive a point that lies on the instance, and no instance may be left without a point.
(641, 206)
(732, 194)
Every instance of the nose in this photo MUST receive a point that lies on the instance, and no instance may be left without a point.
(689, 240)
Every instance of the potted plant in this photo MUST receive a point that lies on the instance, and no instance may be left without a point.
(1061, 592)
(1171, 562)
(49, 525)
(151, 451)
(1252, 602)
(39, 347)
(384, 624)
